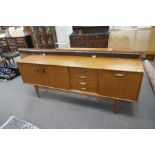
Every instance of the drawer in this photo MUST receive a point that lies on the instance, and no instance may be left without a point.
(84, 85)
(82, 73)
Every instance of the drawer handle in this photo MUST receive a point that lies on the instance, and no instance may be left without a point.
(82, 83)
(119, 75)
(83, 88)
(82, 77)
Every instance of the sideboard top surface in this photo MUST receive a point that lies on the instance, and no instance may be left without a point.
(117, 64)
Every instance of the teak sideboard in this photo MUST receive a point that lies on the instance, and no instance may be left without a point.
(115, 78)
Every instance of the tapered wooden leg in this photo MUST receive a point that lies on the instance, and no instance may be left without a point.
(37, 91)
(116, 106)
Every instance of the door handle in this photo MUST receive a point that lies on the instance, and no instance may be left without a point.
(44, 71)
(119, 75)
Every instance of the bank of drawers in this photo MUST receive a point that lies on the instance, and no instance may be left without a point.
(84, 79)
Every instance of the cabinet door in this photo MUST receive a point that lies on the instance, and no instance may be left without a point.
(55, 76)
(110, 85)
(48, 74)
(122, 85)
(132, 86)
(30, 73)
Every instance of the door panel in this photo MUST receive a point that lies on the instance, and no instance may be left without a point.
(123, 85)
(30, 73)
(48, 75)
(61, 77)
(110, 85)
(55, 76)
(132, 86)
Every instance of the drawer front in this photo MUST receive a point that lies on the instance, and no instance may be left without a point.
(83, 74)
(123, 85)
(84, 85)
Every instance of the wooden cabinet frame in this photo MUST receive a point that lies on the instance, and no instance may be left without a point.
(115, 78)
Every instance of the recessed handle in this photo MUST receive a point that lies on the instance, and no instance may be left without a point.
(44, 71)
(82, 83)
(83, 88)
(119, 75)
(82, 77)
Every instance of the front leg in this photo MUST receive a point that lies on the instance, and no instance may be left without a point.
(37, 91)
(116, 106)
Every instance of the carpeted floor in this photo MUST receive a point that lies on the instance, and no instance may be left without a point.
(56, 109)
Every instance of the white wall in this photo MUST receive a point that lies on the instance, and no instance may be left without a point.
(14, 32)
(17, 32)
(63, 33)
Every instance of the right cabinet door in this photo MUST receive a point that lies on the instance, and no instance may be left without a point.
(120, 85)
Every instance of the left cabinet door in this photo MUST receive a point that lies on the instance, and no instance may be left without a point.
(31, 73)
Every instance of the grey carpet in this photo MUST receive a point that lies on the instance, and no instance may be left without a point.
(56, 109)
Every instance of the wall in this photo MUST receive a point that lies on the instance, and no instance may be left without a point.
(63, 33)
(142, 39)
(13, 32)
(16, 32)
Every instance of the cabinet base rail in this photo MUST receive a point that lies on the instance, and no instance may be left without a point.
(116, 104)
